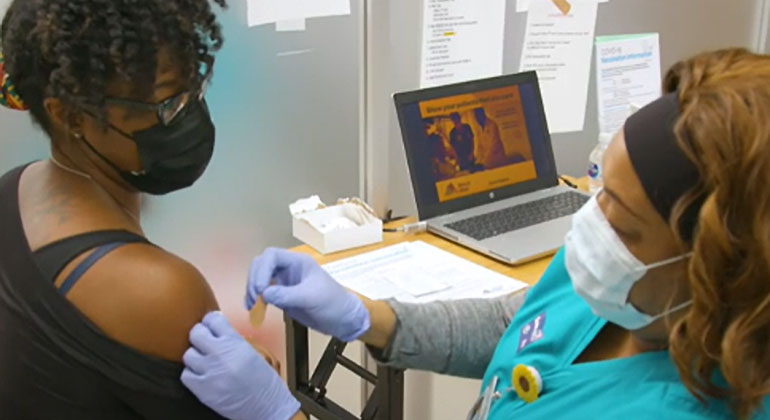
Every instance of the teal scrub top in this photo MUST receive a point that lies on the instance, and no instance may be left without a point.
(550, 331)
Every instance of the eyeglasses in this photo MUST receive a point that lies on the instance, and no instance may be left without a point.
(170, 108)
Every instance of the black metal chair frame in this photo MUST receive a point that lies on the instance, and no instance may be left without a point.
(385, 403)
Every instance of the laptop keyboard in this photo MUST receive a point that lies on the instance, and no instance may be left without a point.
(521, 216)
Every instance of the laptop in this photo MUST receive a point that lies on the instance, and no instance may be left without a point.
(482, 167)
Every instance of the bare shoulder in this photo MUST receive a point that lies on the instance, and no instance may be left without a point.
(144, 297)
(139, 295)
(55, 206)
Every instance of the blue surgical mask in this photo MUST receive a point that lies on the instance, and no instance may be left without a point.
(603, 270)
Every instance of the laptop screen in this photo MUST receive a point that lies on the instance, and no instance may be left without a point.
(473, 140)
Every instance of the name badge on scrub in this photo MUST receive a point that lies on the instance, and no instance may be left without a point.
(532, 332)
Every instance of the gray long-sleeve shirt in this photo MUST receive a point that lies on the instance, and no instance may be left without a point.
(455, 338)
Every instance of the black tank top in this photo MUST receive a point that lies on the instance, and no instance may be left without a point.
(54, 363)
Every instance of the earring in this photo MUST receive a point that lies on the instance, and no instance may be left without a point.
(77, 136)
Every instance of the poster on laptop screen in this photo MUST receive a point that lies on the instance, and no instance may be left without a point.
(477, 142)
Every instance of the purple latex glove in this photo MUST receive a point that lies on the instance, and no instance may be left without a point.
(230, 377)
(301, 288)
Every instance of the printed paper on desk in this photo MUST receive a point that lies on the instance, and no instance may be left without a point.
(261, 12)
(627, 76)
(462, 40)
(417, 272)
(559, 48)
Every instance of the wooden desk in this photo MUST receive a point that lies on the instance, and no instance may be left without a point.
(528, 273)
(387, 398)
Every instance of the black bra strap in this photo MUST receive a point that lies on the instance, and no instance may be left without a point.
(84, 266)
(52, 258)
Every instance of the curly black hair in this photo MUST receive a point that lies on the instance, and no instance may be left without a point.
(72, 49)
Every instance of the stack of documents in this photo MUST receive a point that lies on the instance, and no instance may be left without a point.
(415, 272)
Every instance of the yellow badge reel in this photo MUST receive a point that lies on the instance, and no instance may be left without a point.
(527, 383)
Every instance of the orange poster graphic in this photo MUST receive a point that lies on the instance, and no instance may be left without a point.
(485, 181)
(479, 141)
(563, 5)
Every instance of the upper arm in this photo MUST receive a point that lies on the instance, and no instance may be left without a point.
(144, 298)
(456, 337)
(509, 305)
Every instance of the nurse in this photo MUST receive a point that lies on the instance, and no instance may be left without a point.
(657, 307)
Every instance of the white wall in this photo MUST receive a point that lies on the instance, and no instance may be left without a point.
(763, 36)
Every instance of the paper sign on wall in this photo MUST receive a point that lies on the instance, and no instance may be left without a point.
(3, 7)
(261, 12)
(462, 40)
(627, 75)
(290, 25)
(559, 48)
(523, 5)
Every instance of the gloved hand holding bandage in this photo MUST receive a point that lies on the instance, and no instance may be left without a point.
(229, 376)
(307, 294)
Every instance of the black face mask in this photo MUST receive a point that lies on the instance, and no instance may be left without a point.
(172, 156)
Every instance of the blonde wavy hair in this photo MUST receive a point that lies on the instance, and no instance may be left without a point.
(724, 128)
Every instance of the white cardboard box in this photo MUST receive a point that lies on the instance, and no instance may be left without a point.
(311, 228)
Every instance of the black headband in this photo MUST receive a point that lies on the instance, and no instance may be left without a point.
(662, 167)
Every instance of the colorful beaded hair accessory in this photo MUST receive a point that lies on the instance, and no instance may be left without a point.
(8, 96)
